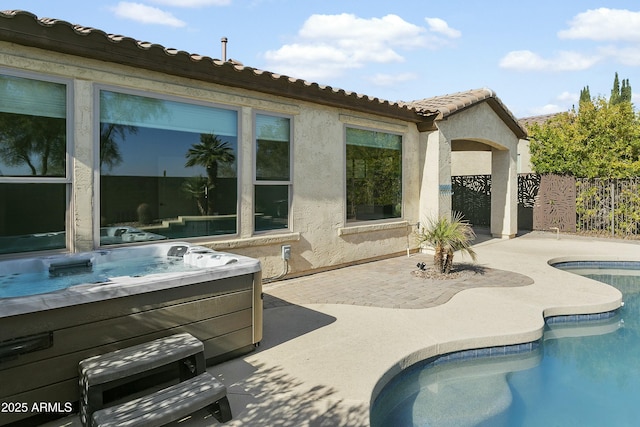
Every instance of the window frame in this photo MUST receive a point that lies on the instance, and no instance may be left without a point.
(98, 88)
(67, 179)
(256, 182)
(357, 222)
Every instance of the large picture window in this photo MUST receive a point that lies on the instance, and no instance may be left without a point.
(374, 175)
(33, 164)
(168, 169)
(272, 172)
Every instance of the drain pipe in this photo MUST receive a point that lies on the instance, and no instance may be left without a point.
(557, 232)
(409, 228)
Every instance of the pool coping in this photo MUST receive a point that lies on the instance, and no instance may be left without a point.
(465, 347)
(498, 351)
(355, 378)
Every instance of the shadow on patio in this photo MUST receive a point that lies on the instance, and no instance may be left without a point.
(261, 393)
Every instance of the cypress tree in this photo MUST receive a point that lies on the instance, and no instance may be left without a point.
(625, 92)
(620, 94)
(585, 95)
(615, 91)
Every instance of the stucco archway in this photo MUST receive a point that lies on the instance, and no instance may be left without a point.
(474, 121)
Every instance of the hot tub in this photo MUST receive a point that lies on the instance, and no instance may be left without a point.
(58, 310)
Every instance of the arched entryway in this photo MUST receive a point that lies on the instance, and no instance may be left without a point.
(474, 122)
(475, 195)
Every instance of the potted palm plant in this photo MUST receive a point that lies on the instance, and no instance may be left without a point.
(447, 236)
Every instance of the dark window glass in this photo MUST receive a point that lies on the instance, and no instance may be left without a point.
(272, 148)
(272, 207)
(168, 169)
(32, 217)
(374, 175)
(273, 172)
(33, 157)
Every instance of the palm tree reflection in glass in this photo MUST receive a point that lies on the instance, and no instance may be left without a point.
(210, 153)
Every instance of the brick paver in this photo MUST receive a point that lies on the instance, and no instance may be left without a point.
(386, 283)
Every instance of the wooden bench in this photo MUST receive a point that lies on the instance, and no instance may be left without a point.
(169, 404)
(102, 373)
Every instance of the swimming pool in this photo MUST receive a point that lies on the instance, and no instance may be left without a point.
(585, 371)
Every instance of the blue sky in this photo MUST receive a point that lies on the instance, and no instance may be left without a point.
(536, 55)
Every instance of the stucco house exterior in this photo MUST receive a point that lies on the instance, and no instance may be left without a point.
(479, 163)
(105, 140)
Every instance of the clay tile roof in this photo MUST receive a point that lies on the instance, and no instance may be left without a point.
(450, 103)
(541, 119)
(25, 28)
(447, 105)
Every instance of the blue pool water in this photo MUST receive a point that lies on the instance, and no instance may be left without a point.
(582, 373)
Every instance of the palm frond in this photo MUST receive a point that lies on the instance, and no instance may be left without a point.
(447, 236)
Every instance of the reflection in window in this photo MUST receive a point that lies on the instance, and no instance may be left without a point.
(32, 217)
(271, 198)
(374, 175)
(168, 169)
(32, 127)
(272, 148)
(33, 153)
(272, 207)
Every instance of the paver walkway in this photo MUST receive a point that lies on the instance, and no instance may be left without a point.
(388, 283)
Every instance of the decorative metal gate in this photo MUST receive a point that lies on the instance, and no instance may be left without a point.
(555, 204)
(472, 197)
(528, 186)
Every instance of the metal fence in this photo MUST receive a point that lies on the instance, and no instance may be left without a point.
(608, 207)
(589, 206)
(471, 195)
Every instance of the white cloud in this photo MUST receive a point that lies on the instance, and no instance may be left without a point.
(619, 26)
(440, 26)
(192, 3)
(328, 45)
(525, 60)
(348, 29)
(548, 109)
(146, 14)
(311, 61)
(392, 79)
(629, 56)
(562, 102)
(568, 97)
(300, 53)
(604, 24)
(522, 60)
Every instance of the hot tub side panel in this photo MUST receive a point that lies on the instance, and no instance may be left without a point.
(225, 314)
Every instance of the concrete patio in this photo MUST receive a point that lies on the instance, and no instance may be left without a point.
(333, 339)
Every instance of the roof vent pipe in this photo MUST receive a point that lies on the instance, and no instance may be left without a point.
(224, 48)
